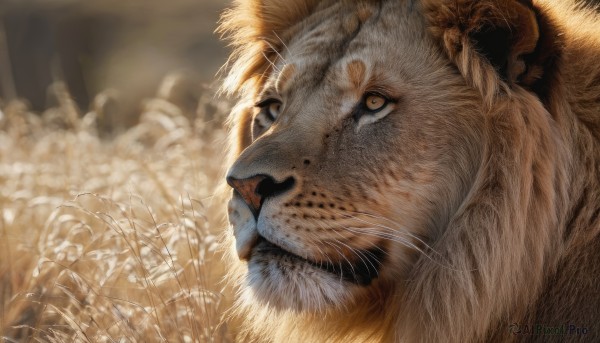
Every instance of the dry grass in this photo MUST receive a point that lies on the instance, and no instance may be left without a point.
(111, 239)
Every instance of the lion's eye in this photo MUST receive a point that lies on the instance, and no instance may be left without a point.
(269, 111)
(270, 107)
(374, 102)
(273, 109)
(372, 107)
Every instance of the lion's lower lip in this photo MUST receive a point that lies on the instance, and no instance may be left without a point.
(362, 272)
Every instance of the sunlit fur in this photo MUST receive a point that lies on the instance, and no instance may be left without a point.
(482, 182)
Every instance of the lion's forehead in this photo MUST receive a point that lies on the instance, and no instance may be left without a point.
(350, 73)
(336, 56)
(342, 87)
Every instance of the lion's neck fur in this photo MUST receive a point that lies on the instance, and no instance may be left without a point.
(540, 243)
(581, 86)
(576, 108)
(522, 253)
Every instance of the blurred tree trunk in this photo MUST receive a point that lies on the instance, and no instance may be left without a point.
(92, 46)
(45, 46)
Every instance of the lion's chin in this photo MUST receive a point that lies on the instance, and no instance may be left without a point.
(282, 280)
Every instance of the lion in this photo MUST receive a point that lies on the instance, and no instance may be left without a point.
(414, 170)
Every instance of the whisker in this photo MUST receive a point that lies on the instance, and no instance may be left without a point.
(389, 232)
(387, 227)
(282, 43)
(392, 235)
(275, 51)
(317, 241)
(270, 62)
(357, 252)
(337, 249)
(406, 243)
(340, 261)
(397, 239)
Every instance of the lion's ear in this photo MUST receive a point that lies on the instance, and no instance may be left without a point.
(494, 43)
(255, 29)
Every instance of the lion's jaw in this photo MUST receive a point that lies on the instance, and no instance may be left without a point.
(368, 190)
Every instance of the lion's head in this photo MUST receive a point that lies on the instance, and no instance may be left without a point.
(360, 151)
(394, 161)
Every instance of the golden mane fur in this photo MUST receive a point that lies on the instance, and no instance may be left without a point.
(522, 243)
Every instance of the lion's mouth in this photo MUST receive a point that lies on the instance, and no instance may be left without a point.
(362, 271)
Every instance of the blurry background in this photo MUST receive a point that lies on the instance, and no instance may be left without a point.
(127, 46)
(111, 156)
(95, 45)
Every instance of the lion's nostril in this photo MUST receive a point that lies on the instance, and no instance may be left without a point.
(255, 190)
(270, 188)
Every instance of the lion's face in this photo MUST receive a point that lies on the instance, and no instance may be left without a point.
(361, 139)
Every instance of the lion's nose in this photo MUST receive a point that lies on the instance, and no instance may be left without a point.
(256, 189)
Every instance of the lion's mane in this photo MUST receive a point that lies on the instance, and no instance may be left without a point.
(524, 245)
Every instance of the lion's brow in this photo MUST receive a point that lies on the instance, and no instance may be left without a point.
(283, 79)
(356, 73)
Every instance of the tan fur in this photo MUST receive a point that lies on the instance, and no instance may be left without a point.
(254, 28)
(285, 75)
(480, 181)
(356, 73)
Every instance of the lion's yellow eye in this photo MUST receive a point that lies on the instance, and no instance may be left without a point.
(372, 107)
(375, 102)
